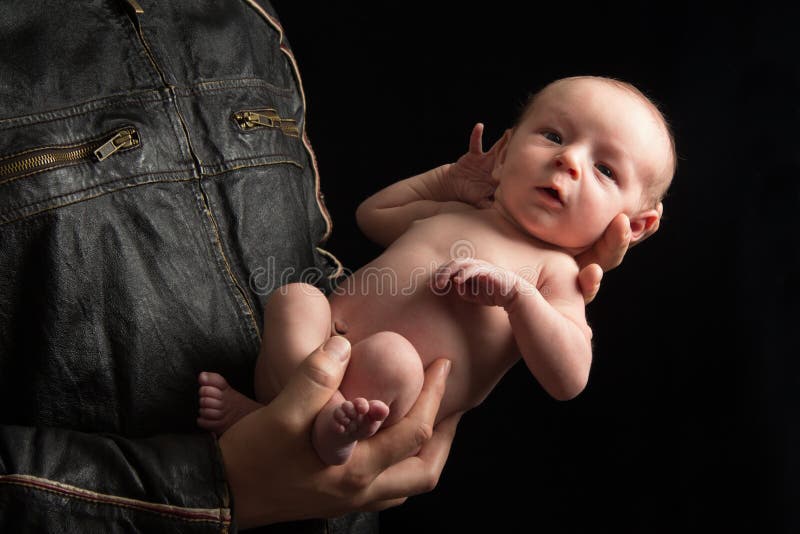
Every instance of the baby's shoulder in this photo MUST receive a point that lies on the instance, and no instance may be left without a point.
(557, 264)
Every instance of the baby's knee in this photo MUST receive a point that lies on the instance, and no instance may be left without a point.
(296, 297)
(392, 356)
(296, 291)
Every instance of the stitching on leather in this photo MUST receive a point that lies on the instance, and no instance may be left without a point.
(114, 101)
(97, 104)
(226, 85)
(192, 515)
(219, 168)
(89, 197)
(221, 253)
(284, 48)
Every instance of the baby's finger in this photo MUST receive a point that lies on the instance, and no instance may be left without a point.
(476, 139)
(441, 276)
(472, 270)
(500, 142)
(445, 272)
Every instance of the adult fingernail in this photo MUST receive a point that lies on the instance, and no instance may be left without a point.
(337, 347)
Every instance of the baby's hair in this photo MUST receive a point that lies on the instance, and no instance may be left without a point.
(655, 191)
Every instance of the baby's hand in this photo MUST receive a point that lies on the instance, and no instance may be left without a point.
(470, 178)
(478, 281)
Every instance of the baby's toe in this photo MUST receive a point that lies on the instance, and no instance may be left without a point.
(361, 405)
(378, 410)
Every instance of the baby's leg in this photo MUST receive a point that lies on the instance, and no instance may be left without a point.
(297, 320)
(220, 404)
(384, 367)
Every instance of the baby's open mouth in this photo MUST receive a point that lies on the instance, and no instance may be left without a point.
(553, 193)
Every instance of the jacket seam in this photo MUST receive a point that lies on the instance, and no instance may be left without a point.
(106, 103)
(159, 58)
(339, 267)
(86, 198)
(284, 48)
(219, 516)
(99, 186)
(222, 86)
(223, 170)
(220, 246)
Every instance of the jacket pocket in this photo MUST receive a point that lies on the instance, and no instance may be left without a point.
(254, 119)
(47, 158)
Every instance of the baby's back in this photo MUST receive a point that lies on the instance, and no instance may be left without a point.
(393, 293)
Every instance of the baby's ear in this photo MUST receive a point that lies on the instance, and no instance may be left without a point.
(502, 147)
(643, 224)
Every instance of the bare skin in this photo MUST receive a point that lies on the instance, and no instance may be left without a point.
(275, 475)
(473, 281)
(383, 470)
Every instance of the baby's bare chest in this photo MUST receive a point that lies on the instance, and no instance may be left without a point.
(393, 293)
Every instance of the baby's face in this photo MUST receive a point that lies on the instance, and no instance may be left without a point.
(582, 155)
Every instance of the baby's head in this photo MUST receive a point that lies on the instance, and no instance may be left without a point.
(584, 150)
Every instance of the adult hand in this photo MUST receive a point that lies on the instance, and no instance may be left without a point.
(607, 253)
(275, 474)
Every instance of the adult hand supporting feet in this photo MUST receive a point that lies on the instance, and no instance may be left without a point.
(276, 475)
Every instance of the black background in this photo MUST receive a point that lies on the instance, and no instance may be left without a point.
(689, 421)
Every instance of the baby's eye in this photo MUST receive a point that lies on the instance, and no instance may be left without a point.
(605, 170)
(552, 136)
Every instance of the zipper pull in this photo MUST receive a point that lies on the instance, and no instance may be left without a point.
(251, 119)
(136, 7)
(122, 139)
(267, 118)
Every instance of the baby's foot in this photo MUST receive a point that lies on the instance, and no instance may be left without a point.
(336, 433)
(221, 405)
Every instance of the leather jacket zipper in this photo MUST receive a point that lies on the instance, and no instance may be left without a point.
(265, 118)
(53, 157)
(137, 9)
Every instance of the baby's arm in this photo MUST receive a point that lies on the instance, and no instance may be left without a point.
(384, 216)
(548, 323)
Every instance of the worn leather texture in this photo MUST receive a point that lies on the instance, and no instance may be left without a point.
(124, 278)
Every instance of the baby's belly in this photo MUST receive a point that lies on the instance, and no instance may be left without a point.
(476, 339)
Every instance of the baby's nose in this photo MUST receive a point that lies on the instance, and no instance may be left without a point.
(570, 169)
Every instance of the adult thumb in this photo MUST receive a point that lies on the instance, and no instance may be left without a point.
(314, 381)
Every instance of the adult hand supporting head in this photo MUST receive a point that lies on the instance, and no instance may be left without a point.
(276, 475)
(607, 253)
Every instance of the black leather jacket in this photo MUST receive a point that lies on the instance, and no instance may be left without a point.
(155, 185)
